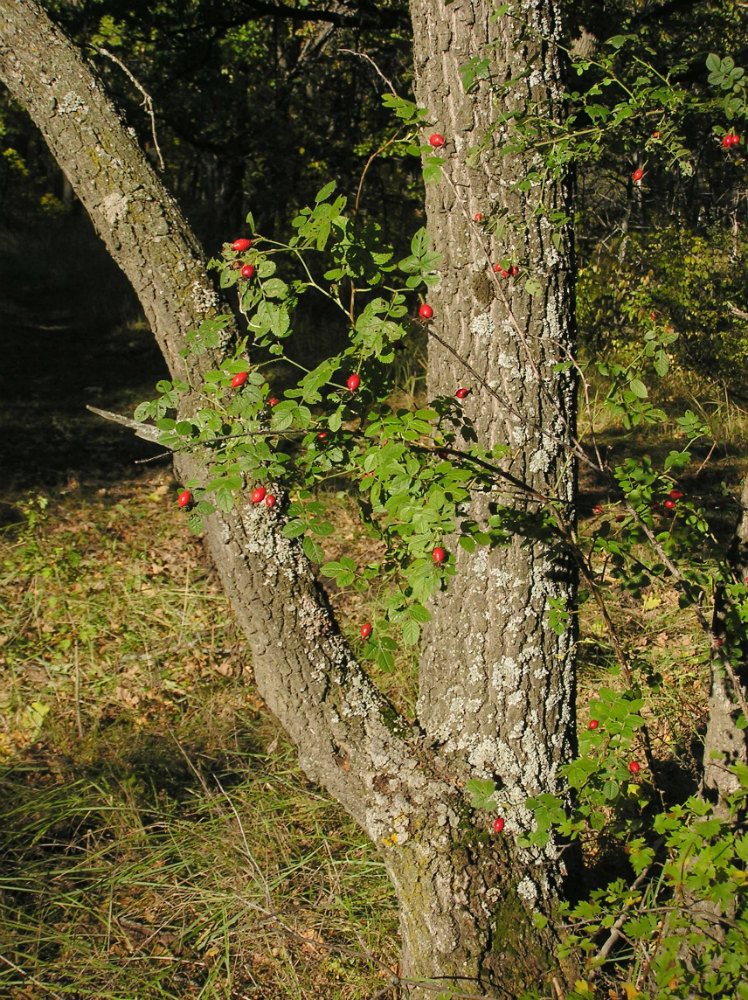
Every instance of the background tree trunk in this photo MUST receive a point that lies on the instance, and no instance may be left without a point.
(502, 707)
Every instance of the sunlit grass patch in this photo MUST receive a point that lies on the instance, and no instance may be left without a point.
(158, 839)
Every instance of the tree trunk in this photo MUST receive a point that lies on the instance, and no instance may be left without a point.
(724, 743)
(504, 708)
(496, 681)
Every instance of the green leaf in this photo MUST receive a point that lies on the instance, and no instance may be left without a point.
(294, 528)
(322, 528)
(611, 789)
(420, 242)
(313, 550)
(638, 388)
(275, 288)
(324, 193)
(224, 499)
(195, 523)
(481, 793)
(411, 632)
(432, 169)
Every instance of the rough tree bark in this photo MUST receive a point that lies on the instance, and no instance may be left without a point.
(724, 743)
(496, 682)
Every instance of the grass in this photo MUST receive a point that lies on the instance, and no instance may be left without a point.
(158, 837)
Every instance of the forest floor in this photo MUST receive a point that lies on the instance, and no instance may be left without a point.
(157, 837)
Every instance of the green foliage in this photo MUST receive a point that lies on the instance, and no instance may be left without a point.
(669, 278)
(401, 462)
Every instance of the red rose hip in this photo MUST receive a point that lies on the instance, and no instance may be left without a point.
(425, 312)
(436, 140)
(593, 724)
(184, 499)
(353, 382)
(366, 630)
(638, 174)
(461, 393)
(634, 767)
(438, 554)
(239, 379)
(270, 500)
(498, 824)
(241, 245)
(248, 270)
(258, 495)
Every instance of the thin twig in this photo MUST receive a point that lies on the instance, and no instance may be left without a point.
(147, 100)
(364, 55)
(31, 979)
(78, 720)
(615, 931)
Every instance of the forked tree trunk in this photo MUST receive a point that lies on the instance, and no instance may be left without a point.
(496, 682)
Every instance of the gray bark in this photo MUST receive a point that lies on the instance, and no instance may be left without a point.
(505, 705)
(505, 708)
(724, 743)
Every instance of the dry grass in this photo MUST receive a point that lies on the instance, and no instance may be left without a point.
(158, 838)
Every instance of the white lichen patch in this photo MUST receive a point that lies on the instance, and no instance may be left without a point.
(528, 892)
(114, 207)
(71, 103)
(482, 326)
(519, 435)
(203, 296)
(493, 756)
(515, 699)
(542, 459)
(500, 578)
(510, 365)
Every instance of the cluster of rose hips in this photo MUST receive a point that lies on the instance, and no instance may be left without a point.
(728, 141)
(258, 495)
(240, 246)
(426, 312)
(669, 504)
(513, 271)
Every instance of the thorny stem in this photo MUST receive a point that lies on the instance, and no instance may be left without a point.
(615, 931)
